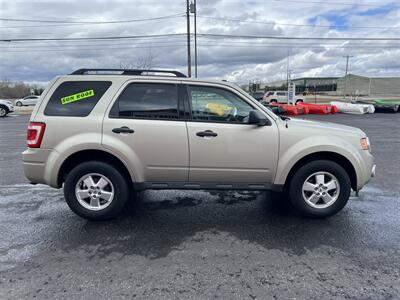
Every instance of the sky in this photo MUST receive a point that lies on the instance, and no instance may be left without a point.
(238, 60)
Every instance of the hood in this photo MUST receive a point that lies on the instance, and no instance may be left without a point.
(329, 127)
(5, 102)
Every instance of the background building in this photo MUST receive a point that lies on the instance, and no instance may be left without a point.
(337, 86)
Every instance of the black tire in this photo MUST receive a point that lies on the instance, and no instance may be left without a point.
(296, 193)
(19, 104)
(273, 101)
(3, 111)
(120, 184)
(299, 101)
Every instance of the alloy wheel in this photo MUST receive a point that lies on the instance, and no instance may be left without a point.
(94, 191)
(321, 190)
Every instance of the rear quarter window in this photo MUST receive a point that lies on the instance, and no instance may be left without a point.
(76, 98)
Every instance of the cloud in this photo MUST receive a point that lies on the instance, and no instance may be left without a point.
(236, 60)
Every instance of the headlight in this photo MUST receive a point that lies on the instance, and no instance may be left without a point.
(364, 142)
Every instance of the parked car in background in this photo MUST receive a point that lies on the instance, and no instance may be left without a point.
(5, 108)
(105, 137)
(28, 100)
(257, 95)
(281, 97)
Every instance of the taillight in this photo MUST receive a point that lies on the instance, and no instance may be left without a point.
(35, 134)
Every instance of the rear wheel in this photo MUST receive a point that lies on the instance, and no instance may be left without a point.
(319, 189)
(273, 101)
(300, 101)
(3, 111)
(96, 190)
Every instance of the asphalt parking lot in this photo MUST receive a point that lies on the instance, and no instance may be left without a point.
(202, 244)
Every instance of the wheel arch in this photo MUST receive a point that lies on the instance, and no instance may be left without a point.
(325, 155)
(6, 108)
(90, 155)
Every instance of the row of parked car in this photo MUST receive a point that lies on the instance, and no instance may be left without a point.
(7, 106)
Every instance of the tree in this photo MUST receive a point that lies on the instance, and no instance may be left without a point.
(145, 61)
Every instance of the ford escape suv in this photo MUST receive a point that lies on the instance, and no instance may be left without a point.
(104, 134)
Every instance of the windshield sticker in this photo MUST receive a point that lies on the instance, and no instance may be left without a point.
(77, 96)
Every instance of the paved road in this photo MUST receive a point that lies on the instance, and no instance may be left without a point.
(200, 244)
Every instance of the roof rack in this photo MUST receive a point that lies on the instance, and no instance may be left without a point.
(138, 72)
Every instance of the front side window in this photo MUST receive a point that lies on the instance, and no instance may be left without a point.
(218, 105)
(147, 101)
(281, 94)
(76, 98)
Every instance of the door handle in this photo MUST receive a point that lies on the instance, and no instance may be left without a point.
(123, 129)
(206, 133)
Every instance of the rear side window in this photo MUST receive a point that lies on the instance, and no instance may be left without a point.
(147, 101)
(76, 98)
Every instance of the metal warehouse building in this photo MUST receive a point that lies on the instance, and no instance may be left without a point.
(353, 84)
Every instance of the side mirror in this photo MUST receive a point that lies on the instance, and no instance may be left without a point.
(277, 110)
(257, 118)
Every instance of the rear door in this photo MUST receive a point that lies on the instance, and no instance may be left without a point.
(224, 148)
(144, 126)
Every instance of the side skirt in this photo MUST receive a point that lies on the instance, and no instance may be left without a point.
(140, 186)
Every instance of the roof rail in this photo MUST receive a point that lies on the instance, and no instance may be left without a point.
(138, 72)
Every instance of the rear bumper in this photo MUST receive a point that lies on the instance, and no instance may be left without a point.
(34, 172)
(34, 164)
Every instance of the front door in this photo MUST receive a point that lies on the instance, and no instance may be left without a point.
(144, 127)
(224, 148)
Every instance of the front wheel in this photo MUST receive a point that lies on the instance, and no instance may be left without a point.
(319, 189)
(96, 190)
(18, 104)
(3, 111)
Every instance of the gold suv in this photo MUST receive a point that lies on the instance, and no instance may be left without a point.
(103, 133)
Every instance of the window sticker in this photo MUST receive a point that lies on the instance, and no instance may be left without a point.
(219, 109)
(77, 96)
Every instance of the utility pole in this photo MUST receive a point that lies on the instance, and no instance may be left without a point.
(287, 68)
(193, 10)
(345, 76)
(189, 63)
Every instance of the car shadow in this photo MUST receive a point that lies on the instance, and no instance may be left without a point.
(154, 228)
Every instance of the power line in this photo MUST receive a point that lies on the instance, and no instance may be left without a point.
(297, 25)
(176, 45)
(210, 35)
(90, 22)
(94, 38)
(332, 3)
(232, 42)
(298, 38)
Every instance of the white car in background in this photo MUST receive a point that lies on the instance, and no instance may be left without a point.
(5, 108)
(281, 97)
(28, 100)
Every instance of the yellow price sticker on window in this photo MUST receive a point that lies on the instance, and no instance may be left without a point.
(77, 96)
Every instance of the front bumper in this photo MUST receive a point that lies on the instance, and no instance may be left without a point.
(373, 171)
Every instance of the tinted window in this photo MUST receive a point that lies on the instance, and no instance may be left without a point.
(76, 98)
(147, 101)
(216, 104)
(281, 93)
